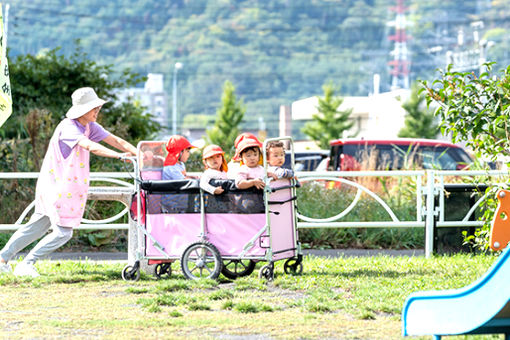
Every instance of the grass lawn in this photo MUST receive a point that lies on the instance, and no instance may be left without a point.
(340, 298)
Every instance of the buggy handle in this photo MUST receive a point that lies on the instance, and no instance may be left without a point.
(282, 202)
(297, 185)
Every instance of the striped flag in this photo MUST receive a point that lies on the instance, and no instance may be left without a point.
(5, 84)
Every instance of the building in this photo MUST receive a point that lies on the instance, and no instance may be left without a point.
(152, 96)
(376, 116)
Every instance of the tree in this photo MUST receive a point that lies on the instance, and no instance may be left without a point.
(419, 121)
(328, 123)
(229, 116)
(475, 110)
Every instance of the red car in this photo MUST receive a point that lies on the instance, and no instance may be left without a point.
(396, 154)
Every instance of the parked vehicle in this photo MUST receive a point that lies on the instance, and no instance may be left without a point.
(306, 160)
(396, 154)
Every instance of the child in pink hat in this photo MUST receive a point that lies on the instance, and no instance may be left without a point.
(251, 172)
(234, 164)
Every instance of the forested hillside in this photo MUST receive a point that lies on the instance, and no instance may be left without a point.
(274, 52)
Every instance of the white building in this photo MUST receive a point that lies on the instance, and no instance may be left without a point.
(376, 116)
(152, 96)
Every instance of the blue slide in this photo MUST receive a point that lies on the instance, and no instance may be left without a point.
(483, 307)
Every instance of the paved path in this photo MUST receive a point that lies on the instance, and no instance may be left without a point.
(122, 256)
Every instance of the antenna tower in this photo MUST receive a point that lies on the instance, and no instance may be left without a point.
(400, 54)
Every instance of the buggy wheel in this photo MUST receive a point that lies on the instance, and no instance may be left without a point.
(293, 267)
(201, 260)
(233, 269)
(267, 272)
(131, 273)
(163, 269)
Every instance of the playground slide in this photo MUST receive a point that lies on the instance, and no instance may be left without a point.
(480, 308)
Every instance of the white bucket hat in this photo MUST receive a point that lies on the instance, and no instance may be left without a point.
(84, 100)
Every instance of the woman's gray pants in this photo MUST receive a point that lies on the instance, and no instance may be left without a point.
(33, 230)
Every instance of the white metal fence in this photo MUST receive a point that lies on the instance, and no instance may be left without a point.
(429, 199)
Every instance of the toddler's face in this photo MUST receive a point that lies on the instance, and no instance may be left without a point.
(251, 158)
(214, 162)
(185, 155)
(276, 156)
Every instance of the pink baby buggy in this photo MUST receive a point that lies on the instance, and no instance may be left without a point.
(212, 234)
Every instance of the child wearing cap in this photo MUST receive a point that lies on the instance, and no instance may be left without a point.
(275, 153)
(234, 164)
(178, 149)
(215, 168)
(251, 172)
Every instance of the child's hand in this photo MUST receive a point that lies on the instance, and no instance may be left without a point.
(218, 190)
(272, 175)
(258, 183)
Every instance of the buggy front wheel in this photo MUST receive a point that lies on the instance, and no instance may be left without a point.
(267, 272)
(131, 273)
(232, 269)
(201, 260)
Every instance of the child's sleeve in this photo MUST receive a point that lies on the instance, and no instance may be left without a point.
(283, 173)
(204, 183)
(241, 176)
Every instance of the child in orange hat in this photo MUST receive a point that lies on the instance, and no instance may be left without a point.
(250, 173)
(178, 148)
(215, 168)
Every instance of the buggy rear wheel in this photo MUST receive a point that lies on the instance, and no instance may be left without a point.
(163, 269)
(232, 269)
(293, 266)
(201, 260)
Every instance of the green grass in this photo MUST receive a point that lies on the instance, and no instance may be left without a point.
(347, 298)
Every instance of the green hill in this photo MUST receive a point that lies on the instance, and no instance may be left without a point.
(274, 52)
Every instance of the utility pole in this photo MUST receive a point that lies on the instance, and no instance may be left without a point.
(469, 57)
(177, 67)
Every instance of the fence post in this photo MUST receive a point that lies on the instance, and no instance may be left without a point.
(429, 216)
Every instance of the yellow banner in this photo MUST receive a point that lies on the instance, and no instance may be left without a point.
(5, 84)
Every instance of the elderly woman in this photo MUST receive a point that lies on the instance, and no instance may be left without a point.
(61, 191)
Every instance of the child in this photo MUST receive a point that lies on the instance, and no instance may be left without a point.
(178, 149)
(233, 165)
(215, 168)
(275, 153)
(250, 173)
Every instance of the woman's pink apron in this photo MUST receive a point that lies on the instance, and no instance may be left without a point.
(61, 192)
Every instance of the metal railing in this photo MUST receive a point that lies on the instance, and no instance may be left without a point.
(429, 198)
(117, 193)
